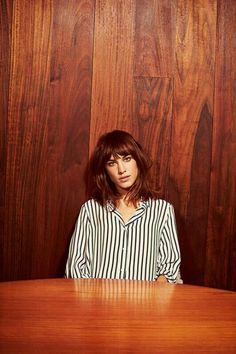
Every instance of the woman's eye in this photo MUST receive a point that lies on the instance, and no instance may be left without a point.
(127, 158)
(110, 163)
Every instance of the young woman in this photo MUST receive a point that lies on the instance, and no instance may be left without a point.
(124, 231)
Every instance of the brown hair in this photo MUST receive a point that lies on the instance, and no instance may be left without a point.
(118, 142)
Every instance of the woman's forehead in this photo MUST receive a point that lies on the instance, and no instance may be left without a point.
(117, 150)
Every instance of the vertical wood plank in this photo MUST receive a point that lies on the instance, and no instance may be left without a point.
(153, 112)
(27, 132)
(221, 243)
(192, 127)
(70, 78)
(195, 225)
(112, 93)
(48, 128)
(154, 38)
(5, 39)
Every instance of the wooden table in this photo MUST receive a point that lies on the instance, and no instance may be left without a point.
(115, 316)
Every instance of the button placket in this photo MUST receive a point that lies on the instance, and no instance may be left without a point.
(124, 253)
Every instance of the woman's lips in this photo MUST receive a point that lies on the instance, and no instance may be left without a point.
(124, 179)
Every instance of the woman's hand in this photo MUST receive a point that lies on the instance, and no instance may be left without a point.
(161, 279)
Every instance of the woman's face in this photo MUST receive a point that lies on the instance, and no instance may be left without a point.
(123, 172)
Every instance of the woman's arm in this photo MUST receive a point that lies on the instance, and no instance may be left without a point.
(169, 252)
(77, 266)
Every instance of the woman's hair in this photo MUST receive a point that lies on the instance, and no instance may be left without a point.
(101, 187)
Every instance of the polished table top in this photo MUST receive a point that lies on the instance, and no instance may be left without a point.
(115, 316)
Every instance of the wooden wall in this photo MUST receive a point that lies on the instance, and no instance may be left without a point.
(165, 70)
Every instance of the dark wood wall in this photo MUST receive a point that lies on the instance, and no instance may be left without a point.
(165, 70)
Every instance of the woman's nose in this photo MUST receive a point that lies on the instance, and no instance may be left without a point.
(121, 168)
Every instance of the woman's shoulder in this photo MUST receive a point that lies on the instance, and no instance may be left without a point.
(159, 202)
(161, 208)
(91, 204)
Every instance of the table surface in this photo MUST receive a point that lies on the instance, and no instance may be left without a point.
(115, 316)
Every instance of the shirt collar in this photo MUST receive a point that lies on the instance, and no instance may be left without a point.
(110, 206)
(143, 204)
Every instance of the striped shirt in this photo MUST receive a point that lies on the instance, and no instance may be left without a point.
(145, 247)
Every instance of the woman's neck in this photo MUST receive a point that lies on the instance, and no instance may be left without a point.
(126, 209)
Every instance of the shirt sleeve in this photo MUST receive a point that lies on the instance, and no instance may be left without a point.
(77, 265)
(169, 252)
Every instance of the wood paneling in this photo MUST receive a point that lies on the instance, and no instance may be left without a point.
(26, 135)
(154, 38)
(221, 242)
(153, 70)
(112, 93)
(48, 128)
(5, 30)
(192, 129)
(194, 87)
(153, 113)
(70, 92)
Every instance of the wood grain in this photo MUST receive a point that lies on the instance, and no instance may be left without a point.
(48, 123)
(68, 124)
(112, 94)
(153, 111)
(27, 131)
(195, 33)
(221, 243)
(154, 38)
(105, 316)
(5, 39)
(190, 161)
(194, 245)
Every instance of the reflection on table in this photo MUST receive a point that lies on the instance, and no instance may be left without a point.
(115, 316)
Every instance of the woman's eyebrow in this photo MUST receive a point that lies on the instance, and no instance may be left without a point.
(112, 159)
(119, 156)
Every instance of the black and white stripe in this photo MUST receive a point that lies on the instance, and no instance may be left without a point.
(103, 246)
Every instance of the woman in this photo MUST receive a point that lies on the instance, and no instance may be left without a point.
(124, 231)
